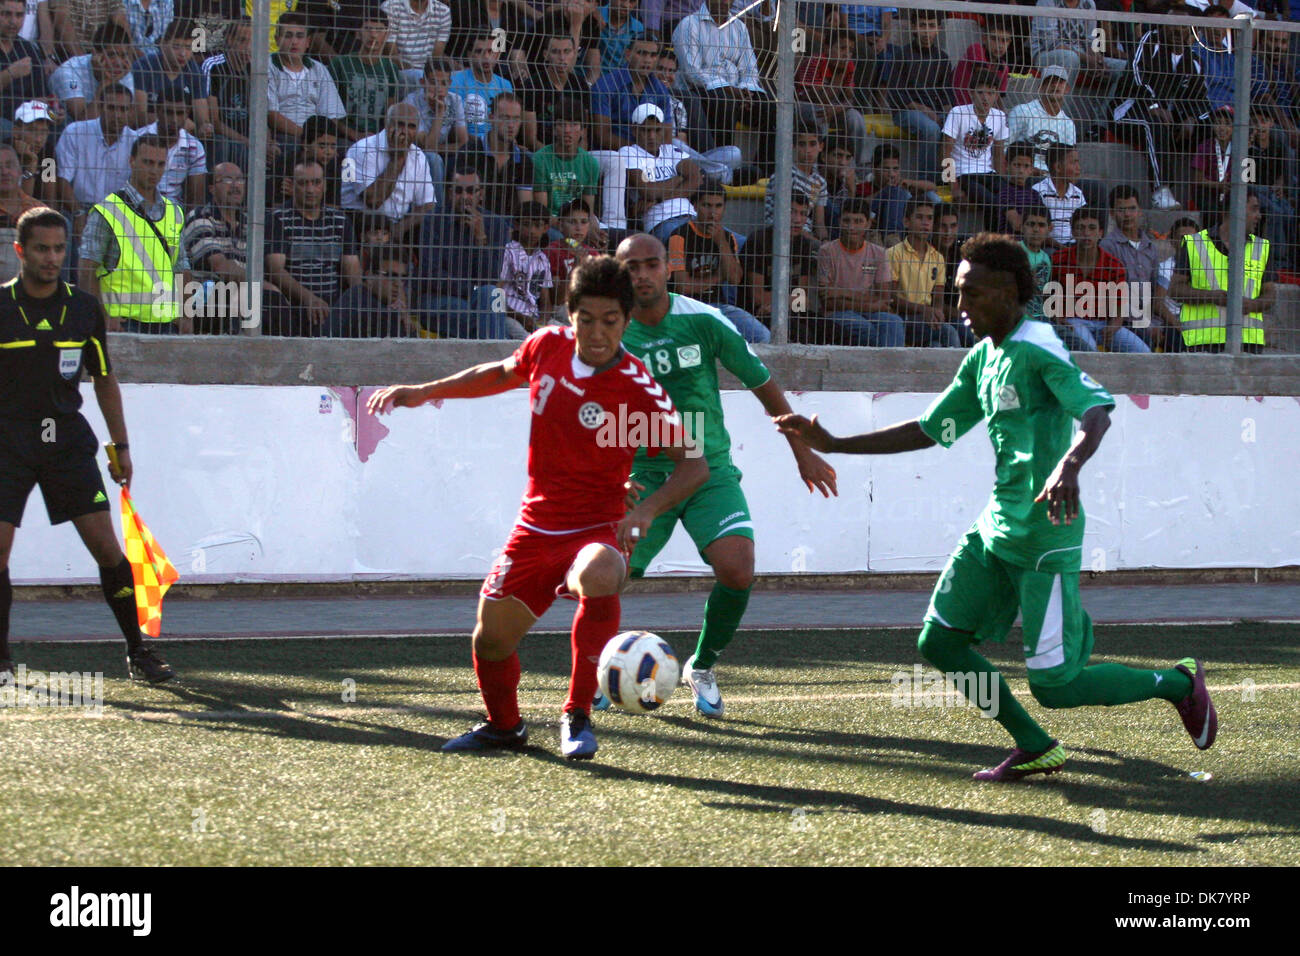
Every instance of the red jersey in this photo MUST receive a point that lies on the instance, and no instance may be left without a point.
(586, 428)
(563, 255)
(1107, 269)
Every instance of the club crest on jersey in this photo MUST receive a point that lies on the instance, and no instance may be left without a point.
(688, 356)
(1007, 398)
(69, 362)
(591, 415)
(1089, 381)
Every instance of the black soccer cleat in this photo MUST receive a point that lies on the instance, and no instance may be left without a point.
(486, 737)
(144, 664)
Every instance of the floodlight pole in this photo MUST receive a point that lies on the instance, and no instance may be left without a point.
(782, 178)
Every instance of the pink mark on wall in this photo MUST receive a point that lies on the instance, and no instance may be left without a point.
(369, 430)
(1141, 401)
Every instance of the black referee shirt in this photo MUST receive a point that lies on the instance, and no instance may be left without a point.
(44, 343)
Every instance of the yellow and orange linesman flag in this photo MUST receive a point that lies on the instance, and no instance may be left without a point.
(152, 572)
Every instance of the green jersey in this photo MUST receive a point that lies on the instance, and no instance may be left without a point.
(682, 352)
(1041, 263)
(1029, 390)
(366, 89)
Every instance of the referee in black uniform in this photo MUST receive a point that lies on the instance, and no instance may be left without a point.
(49, 331)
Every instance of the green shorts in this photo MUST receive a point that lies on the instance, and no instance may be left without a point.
(716, 510)
(980, 593)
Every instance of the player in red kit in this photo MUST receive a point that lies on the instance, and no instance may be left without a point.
(593, 404)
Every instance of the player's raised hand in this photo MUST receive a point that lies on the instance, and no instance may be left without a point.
(816, 473)
(1061, 492)
(634, 490)
(809, 432)
(395, 396)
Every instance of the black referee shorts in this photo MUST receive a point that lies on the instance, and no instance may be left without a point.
(65, 468)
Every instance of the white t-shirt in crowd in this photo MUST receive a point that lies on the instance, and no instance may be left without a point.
(974, 139)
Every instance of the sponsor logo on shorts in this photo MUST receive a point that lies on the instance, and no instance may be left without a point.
(496, 578)
(688, 356)
(731, 517)
(591, 415)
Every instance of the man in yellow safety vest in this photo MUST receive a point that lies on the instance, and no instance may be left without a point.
(131, 253)
(1200, 282)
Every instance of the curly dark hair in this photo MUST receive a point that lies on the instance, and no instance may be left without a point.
(999, 253)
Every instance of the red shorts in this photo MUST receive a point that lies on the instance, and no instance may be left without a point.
(532, 566)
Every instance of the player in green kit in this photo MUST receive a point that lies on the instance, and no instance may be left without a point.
(682, 341)
(1024, 551)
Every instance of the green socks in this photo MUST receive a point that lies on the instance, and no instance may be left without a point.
(951, 653)
(722, 614)
(1110, 684)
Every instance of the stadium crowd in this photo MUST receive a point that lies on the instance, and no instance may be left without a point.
(437, 170)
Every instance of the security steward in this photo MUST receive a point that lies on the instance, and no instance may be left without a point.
(49, 331)
(131, 252)
(1200, 283)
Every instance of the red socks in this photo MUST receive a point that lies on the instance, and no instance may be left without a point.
(594, 624)
(499, 683)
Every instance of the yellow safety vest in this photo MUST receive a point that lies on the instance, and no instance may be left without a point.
(1207, 324)
(142, 286)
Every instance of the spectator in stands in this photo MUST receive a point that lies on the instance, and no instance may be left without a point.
(336, 25)
(1273, 79)
(1084, 274)
(278, 9)
(215, 239)
(31, 139)
(564, 171)
(225, 77)
(505, 168)
(1274, 184)
(919, 88)
(442, 129)
(1181, 228)
(1017, 195)
(77, 81)
(550, 88)
(479, 85)
(320, 144)
(1057, 41)
(653, 180)
(887, 193)
(570, 249)
(380, 304)
(471, 19)
(724, 163)
(854, 281)
(1218, 62)
(720, 69)
(918, 270)
(806, 178)
(759, 259)
(389, 175)
(131, 253)
(311, 254)
(580, 21)
(298, 86)
(1162, 96)
(209, 20)
(973, 135)
(949, 243)
(368, 82)
(1213, 162)
(185, 181)
(1141, 255)
(704, 262)
(13, 203)
(824, 87)
(989, 55)
(841, 175)
(1061, 194)
(419, 29)
(1200, 284)
(621, 29)
(1034, 226)
(1043, 122)
(22, 65)
(148, 20)
(460, 264)
(620, 90)
(870, 29)
(76, 21)
(526, 272)
(169, 71)
(664, 15)
(93, 157)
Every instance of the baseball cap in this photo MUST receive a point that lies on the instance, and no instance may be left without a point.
(646, 111)
(32, 111)
(1057, 71)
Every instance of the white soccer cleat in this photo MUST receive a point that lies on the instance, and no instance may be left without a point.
(708, 700)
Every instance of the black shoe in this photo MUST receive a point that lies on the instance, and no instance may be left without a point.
(486, 737)
(144, 664)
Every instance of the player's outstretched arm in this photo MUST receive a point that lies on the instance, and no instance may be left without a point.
(491, 378)
(1061, 491)
(690, 472)
(109, 397)
(816, 473)
(905, 436)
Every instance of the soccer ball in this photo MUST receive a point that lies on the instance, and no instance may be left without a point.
(638, 671)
